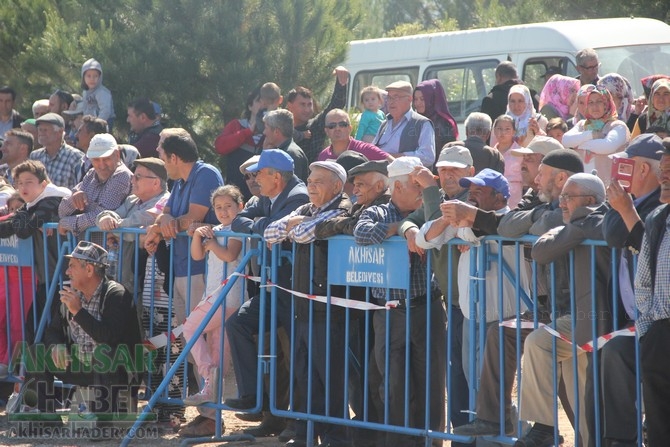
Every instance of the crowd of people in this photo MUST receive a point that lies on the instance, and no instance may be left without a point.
(523, 167)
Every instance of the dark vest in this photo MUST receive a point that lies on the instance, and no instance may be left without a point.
(409, 137)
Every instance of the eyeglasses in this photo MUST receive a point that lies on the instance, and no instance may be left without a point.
(339, 124)
(590, 67)
(250, 175)
(568, 197)
(140, 176)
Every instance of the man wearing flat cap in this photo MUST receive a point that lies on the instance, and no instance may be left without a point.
(325, 186)
(405, 133)
(86, 336)
(61, 160)
(104, 187)
(149, 186)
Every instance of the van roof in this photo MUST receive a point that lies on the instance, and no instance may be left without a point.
(551, 36)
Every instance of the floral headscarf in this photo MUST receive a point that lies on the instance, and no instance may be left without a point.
(658, 118)
(620, 87)
(521, 121)
(610, 110)
(436, 102)
(558, 92)
(649, 81)
(584, 90)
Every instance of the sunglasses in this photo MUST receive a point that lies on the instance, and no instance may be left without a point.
(340, 124)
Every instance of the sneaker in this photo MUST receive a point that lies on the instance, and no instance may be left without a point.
(208, 392)
(480, 427)
(538, 438)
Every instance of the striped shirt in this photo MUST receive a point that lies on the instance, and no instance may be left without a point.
(64, 168)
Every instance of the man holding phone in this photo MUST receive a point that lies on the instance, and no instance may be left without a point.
(623, 228)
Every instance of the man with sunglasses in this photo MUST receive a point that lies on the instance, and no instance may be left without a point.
(587, 66)
(338, 129)
(405, 132)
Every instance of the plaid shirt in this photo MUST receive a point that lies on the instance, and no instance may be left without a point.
(108, 195)
(371, 229)
(85, 343)
(653, 305)
(64, 168)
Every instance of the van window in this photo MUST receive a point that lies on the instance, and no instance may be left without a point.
(380, 78)
(465, 84)
(535, 68)
(635, 62)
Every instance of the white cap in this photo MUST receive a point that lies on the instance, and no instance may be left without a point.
(333, 167)
(403, 166)
(102, 145)
(454, 157)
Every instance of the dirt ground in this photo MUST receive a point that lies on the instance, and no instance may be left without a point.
(165, 438)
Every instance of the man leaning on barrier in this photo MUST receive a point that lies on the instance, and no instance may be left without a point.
(623, 228)
(583, 207)
(92, 342)
(653, 323)
(375, 225)
(325, 186)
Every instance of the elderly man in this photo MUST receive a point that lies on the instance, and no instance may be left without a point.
(405, 133)
(651, 299)
(278, 134)
(9, 118)
(104, 187)
(338, 129)
(40, 107)
(281, 192)
(582, 202)
(375, 225)
(149, 186)
(532, 157)
(477, 131)
(308, 127)
(623, 228)
(587, 66)
(61, 160)
(325, 188)
(453, 164)
(91, 330)
(15, 150)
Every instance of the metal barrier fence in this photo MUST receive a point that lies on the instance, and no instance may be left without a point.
(345, 376)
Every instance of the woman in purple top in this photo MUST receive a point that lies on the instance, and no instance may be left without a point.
(431, 102)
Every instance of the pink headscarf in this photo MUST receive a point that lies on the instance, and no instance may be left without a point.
(557, 92)
(593, 123)
(584, 90)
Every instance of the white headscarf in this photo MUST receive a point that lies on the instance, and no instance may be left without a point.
(521, 121)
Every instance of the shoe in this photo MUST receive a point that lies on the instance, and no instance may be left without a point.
(208, 392)
(249, 417)
(295, 443)
(287, 434)
(480, 427)
(242, 403)
(538, 438)
(204, 429)
(271, 426)
(199, 419)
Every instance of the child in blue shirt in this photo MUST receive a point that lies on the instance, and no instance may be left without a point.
(372, 117)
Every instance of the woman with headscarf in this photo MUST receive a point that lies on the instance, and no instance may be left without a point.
(431, 102)
(580, 110)
(640, 103)
(622, 94)
(599, 135)
(657, 117)
(527, 121)
(558, 96)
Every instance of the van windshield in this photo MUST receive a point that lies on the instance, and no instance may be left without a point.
(635, 62)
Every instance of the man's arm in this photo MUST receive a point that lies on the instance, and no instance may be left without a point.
(305, 231)
(556, 243)
(371, 229)
(277, 231)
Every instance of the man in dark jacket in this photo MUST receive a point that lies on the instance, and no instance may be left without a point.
(83, 343)
(327, 200)
(623, 228)
(495, 103)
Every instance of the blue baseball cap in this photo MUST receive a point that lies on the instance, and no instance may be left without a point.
(647, 145)
(488, 177)
(273, 158)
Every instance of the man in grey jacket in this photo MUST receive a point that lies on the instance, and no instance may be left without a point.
(583, 210)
